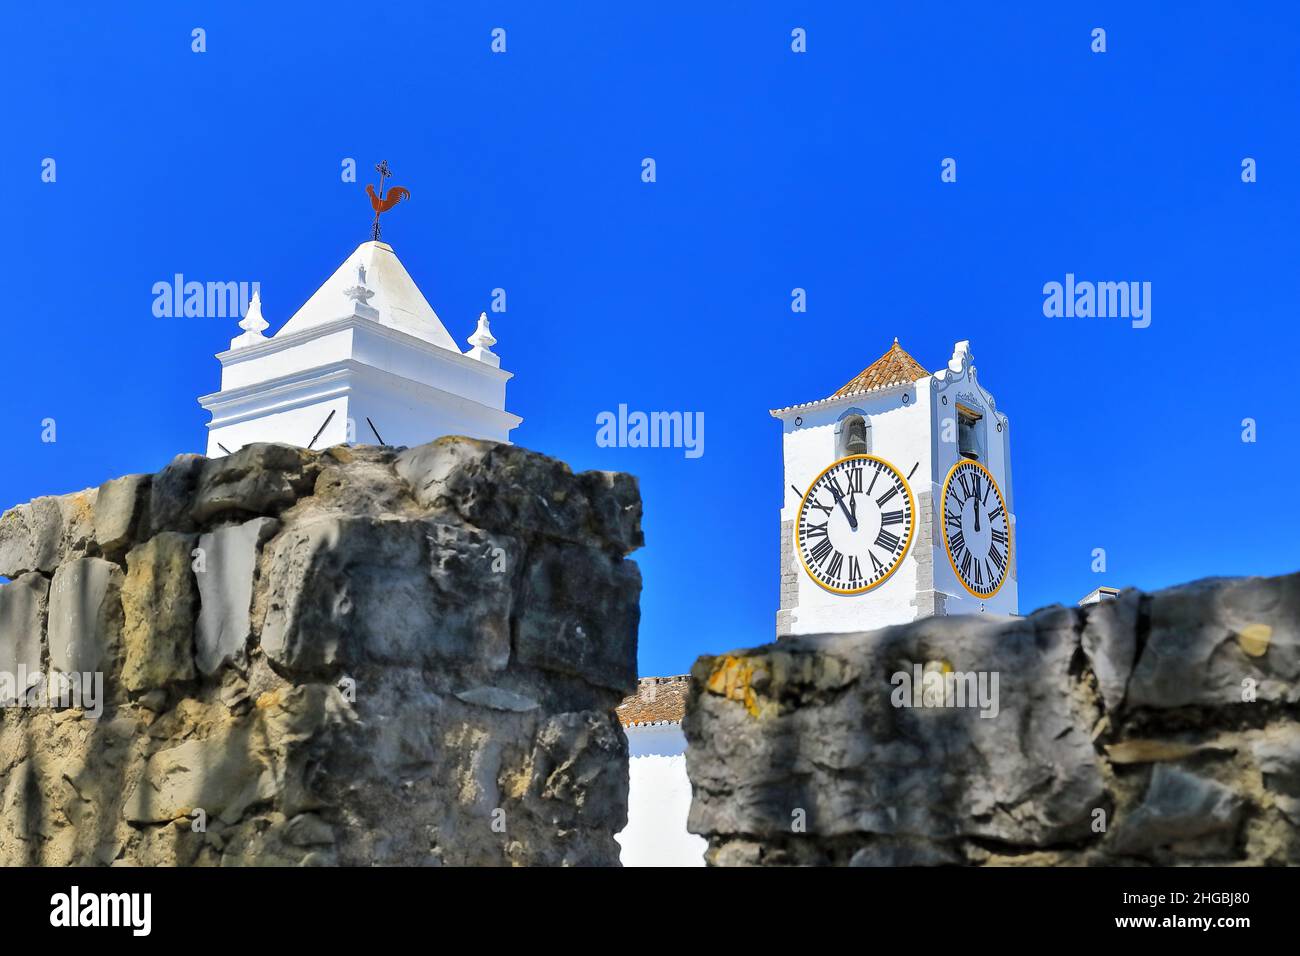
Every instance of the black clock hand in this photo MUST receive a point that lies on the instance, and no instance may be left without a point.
(977, 515)
(839, 500)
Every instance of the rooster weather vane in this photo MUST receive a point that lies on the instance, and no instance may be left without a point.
(380, 202)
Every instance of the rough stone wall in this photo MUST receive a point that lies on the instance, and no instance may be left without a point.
(1152, 729)
(358, 656)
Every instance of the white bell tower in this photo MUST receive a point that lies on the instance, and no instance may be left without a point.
(937, 431)
(366, 359)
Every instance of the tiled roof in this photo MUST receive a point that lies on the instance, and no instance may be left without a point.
(657, 700)
(895, 367)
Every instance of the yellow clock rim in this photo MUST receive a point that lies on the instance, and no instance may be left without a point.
(1011, 533)
(911, 533)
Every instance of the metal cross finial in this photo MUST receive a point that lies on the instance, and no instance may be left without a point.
(384, 172)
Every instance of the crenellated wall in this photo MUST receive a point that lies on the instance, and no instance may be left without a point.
(364, 655)
(1152, 729)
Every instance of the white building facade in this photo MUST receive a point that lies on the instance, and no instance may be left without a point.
(366, 359)
(924, 426)
(659, 790)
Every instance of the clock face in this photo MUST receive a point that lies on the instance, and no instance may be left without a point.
(855, 524)
(976, 530)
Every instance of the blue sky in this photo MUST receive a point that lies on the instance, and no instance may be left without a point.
(775, 171)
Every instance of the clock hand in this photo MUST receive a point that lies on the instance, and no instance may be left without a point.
(977, 515)
(839, 500)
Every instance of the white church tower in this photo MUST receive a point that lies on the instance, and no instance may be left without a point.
(898, 500)
(366, 359)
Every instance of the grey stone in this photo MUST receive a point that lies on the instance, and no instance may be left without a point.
(342, 590)
(23, 606)
(1277, 755)
(222, 776)
(1203, 641)
(226, 591)
(171, 496)
(1178, 806)
(578, 759)
(85, 615)
(579, 615)
(497, 698)
(514, 491)
(1088, 699)
(615, 499)
(29, 539)
(814, 723)
(307, 829)
(40, 535)
(360, 480)
(1110, 641)
(259, 479)
(904, 851)
(77, 516)
(118, 511)
(377, 713)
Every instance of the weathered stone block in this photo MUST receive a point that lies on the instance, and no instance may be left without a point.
(342, 590)
(615, 498)
(118, 511)
(29, 537)
(158, 603)
(817, 724)
(1110, 641)
(1178, 806)
(85, 616)
(360, 480)
(226, 591)
(259, 479)
(579, 762)
(23, 607)
(512, 490)
(1277, 755)
(579, 614)
(171, 496)
(349, 693)
(1118, 737)
(1208, 637)
(221, 775)
(39, 535)
(77, 516)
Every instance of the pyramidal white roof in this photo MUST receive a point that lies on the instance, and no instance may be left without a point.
(396, 298)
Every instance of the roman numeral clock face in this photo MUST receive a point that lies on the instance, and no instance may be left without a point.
(855, 524)
(976, 531)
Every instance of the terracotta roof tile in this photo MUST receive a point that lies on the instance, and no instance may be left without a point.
(895, 367)
(656, 699)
